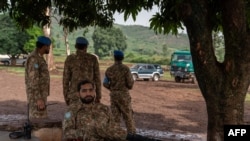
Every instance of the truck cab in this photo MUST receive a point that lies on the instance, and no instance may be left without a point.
(181, 66)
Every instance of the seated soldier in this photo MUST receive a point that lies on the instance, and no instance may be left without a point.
(90, 121)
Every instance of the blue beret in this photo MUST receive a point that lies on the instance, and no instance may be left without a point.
(82, 40)
(44, 40)
(118, 53)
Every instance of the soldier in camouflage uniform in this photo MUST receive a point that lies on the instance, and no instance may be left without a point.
(77, 67)
(118, 79)
(37, 79)
(86, 120)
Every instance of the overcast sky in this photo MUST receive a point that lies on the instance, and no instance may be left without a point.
(141, 19)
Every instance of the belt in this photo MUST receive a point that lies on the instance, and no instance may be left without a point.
(74, 139)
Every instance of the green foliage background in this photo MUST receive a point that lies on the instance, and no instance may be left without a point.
(12, 39)
(143, 45)
(34, 33)
(108, 39)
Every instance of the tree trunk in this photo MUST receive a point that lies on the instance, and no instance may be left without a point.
(223, 85)
(13, 61)
(66, 40)
(49, 57)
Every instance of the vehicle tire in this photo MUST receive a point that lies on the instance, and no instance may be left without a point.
(6, 63)
(23, 64)
(134, 77)
(156, 77)
(177, 79)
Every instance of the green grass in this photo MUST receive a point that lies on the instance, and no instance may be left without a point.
(247, 97)
(167, 76)
(59, 59)
(19, 70)
(55, 76)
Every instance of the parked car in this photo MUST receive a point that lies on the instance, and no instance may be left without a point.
(19, 61)
(147, 71)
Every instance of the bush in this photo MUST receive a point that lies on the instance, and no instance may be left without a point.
(147, 59)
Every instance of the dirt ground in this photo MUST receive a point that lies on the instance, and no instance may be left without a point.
(163, 106)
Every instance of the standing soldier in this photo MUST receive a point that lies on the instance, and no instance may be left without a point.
(118, 79)
(37, 79)
(77, 67)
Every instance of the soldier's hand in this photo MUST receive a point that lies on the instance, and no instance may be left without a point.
(40, 105)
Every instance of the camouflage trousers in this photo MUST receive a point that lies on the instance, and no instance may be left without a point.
(121, 107)
(34, 112)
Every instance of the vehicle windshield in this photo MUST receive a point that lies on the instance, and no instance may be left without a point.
(157, 66)
(135, 67)
(181, 57)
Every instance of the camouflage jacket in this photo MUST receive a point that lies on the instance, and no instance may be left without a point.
(77, 67)
(91, 122)
(118, 78)
(37, 77)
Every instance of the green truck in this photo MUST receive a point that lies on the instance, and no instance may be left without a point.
(182, 66)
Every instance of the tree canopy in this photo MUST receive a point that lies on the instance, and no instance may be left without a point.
(108, 40)
(12, 40)
(33, 33)
(76, 13)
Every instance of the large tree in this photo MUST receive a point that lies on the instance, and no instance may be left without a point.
(223, 84)
(33, 33)
(12, 40)
(107, 40)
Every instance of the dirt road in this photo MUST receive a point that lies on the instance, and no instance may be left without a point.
(160, 107)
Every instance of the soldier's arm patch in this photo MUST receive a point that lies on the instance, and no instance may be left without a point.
(106, 80)
(36, 66)
(67, 115)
